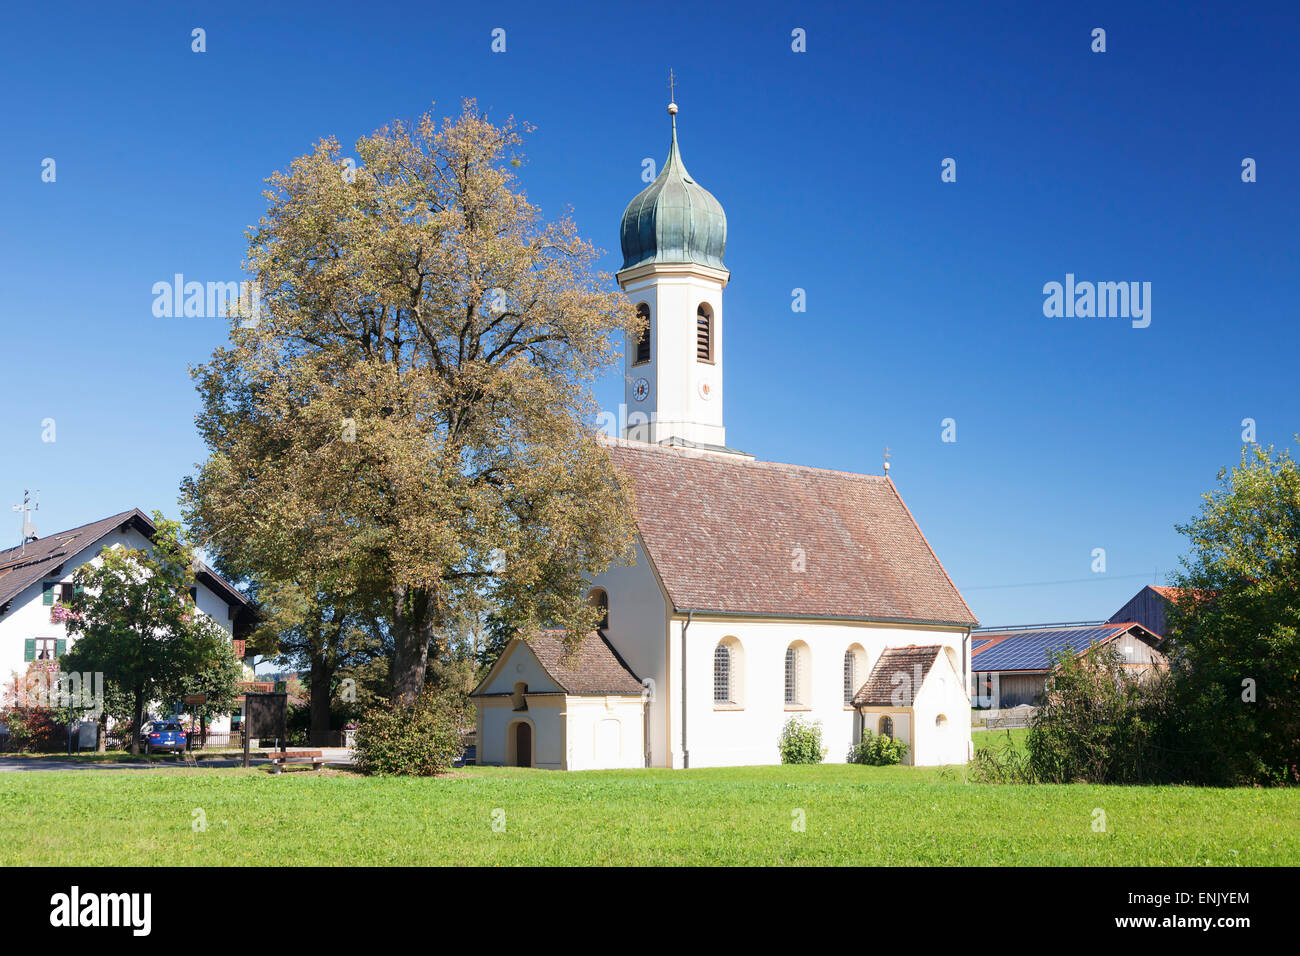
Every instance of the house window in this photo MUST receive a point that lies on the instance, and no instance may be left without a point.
(600, 599)
(797, 673)
(46, 649)
(886, 726)
(722, 675)
(704, 333)
(643, 337)
(855, 672)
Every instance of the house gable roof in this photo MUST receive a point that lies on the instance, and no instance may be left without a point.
(886, 688)
(592, 668)
(20, 567)
(726, 534)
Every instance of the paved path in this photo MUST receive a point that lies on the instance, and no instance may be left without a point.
(333, 755)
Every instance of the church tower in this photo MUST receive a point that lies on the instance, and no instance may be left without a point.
(673, 235)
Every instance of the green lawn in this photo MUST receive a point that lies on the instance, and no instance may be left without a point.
(854, 815)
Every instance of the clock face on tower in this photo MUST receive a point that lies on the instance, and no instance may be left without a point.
(640, 389)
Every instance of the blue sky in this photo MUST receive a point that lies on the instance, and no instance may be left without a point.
(924, 299)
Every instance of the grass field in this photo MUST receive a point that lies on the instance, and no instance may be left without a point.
(853, 815)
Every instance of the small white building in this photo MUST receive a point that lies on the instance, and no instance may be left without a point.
(544, 705)
(36, 578)
(758, 591)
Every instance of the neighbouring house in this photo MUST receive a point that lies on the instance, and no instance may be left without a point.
(757, 592)
(36, 580)
(1009, 666)
(1149, 605)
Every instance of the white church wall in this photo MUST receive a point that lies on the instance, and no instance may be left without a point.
(638, 630)
(719, 736)
(497, 719)
(945, 741)
(604, 733)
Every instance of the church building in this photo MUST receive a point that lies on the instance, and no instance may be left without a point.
(758, 592)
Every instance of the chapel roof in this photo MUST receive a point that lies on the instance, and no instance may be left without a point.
(592, 667)
(897, 676)
(726, 534)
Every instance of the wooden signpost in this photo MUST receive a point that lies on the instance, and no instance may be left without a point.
(265, 715)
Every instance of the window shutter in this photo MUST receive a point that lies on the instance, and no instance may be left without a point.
(47, 593)
(29, 649)
(60, 647)
(76, 590)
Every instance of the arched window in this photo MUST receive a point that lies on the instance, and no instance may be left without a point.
(599, 598)
(886, 726)
(728, 673)
(855, 672)
(722, 675)
(797, 675)
(643, 337)
(704, 333)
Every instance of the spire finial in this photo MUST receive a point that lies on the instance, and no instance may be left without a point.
(672, 95)
(887, 457)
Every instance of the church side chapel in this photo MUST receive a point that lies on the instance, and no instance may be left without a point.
(758, 591)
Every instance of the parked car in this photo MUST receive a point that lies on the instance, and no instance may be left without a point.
(162, 735)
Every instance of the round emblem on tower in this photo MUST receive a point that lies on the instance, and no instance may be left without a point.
(706, 391)
(640, 389)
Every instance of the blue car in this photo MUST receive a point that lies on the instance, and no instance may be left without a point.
(162, 735)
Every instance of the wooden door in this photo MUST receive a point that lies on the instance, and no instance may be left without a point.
(523, 745)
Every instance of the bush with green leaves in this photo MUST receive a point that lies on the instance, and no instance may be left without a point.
(801, 742)
(419, 739)
(878, 750)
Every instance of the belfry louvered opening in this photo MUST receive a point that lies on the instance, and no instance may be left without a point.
(643, 337)
(704, 333)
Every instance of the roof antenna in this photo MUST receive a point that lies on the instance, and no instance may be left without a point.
(29, 529)
(887, 457)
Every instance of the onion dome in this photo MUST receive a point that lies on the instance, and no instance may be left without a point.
(674, 219)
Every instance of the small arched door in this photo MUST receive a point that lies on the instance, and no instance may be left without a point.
(523, 745)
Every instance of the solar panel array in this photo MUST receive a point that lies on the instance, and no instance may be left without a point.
(1027, 650)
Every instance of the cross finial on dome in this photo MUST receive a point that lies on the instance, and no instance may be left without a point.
(672, 97)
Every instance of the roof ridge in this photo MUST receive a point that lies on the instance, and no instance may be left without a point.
(704, 454)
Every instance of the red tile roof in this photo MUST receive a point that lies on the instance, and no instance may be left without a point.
(726, 534)
(594, 667)
(897, 676)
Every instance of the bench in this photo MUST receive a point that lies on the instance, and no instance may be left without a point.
(280, 758)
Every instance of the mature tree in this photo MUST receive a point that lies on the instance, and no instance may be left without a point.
(411, 408)
(136, 621)
(1236, 627)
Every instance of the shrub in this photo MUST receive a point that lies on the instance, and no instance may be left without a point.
(1098, 722)
(878, 750)
(415, 740)
(801, 742)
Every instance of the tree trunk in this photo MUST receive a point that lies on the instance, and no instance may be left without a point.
(321, 678)
(413, 629)
(101, 733)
